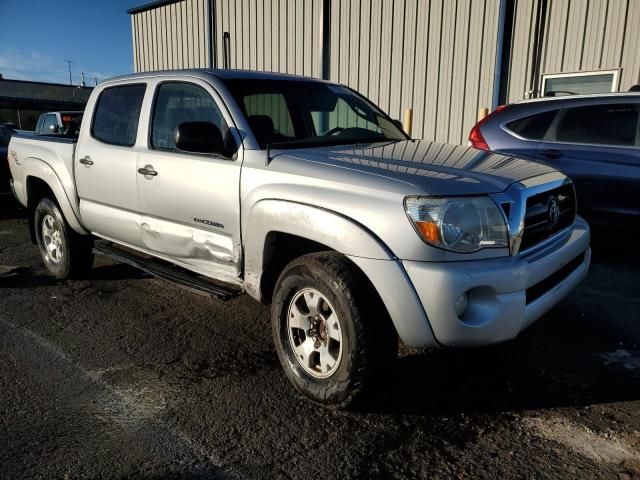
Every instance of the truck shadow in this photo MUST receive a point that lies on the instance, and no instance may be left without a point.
(9, 208)
(517, 377)
(584, 351)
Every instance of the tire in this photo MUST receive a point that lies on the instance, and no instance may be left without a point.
(65, 253)
(333, 366)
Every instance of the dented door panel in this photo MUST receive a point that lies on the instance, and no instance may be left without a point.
(190, 203)
(190, 210)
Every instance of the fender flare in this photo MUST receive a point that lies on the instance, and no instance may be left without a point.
(34, 167)
(350, 238)
(306, 221)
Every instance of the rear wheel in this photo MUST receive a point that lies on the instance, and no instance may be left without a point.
(63, 251)
(331, 331)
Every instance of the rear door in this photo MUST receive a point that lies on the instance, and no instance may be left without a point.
(105, 164)
(597, 146)
(190, 205)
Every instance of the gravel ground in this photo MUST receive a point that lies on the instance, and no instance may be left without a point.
(125, 376)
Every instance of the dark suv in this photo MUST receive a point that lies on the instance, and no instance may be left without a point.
(595, 139)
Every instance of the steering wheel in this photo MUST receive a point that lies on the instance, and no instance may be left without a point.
(334, 130)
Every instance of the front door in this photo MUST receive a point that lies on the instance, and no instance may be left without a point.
(190, 202)
(105, 168)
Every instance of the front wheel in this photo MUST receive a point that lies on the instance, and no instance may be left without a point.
(331, 331)
(63, 251)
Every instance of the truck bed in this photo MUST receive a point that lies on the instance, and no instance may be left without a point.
(28, 150)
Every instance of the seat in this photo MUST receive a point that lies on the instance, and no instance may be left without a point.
(262, 127)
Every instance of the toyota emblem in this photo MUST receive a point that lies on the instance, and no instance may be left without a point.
(554, 211)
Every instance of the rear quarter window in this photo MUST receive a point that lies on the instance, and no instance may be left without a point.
(533, 127)
(115, 120)
(607, 124)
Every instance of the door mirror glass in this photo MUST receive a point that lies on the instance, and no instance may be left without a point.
(53, 128)
(199, 137)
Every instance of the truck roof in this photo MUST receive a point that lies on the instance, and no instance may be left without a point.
(223, 74)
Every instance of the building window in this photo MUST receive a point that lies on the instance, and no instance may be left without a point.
(580, 83)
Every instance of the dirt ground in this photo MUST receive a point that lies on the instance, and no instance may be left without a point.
(125, 376)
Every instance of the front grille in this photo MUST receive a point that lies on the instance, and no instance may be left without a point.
(539, 289)
(548, 213)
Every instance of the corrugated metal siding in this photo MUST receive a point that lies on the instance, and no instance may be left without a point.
(580, 35)
(271, 35)
(171, 36)
(435, 56)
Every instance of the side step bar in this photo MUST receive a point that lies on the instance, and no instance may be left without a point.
(178, 276)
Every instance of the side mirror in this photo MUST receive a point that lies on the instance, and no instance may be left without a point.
(199, 137)
(54, 128)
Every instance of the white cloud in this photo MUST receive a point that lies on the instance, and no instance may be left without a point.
(19, 64)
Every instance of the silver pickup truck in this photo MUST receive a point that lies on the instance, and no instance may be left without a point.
(306, 196)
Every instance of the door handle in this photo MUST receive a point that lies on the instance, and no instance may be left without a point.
(552, 153)
(147, 171)
(86, 160)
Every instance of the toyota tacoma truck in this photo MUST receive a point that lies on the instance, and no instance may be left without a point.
(304, 195)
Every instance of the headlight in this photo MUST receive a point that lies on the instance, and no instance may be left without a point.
(462, 224)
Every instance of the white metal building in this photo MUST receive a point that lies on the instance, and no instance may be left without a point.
(445, 59)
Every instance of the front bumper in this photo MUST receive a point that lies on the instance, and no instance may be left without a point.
(505, 295)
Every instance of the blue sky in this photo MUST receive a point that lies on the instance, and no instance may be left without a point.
(37, 36)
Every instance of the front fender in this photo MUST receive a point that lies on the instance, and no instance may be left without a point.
(34, 167)
(343, 235)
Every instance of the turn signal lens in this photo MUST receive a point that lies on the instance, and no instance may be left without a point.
(429, 231)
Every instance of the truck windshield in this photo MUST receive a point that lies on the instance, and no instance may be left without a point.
(298, 113)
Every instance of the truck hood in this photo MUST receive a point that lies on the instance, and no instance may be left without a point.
(431, 167)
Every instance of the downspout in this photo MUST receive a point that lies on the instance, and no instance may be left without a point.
(211, 29)
(500, 53)
(325, 46)
(541, 18)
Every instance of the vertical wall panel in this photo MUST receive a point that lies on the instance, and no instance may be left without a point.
(172, 36)
(398, 68)
(435, 56)
(433, 68)
(459, 71)
(415, 54)
(594, 36)
(630, 56)
(420, 68)
(375, 53)
(474, 67)
(133, 44)
(580, 36)
(384, 74)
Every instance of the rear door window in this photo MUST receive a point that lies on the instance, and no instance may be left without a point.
(115, 120)
(533, 127)
(612, 124)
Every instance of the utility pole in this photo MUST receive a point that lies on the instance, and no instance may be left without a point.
(69, 62)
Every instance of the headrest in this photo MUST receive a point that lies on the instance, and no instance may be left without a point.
(262, 127)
